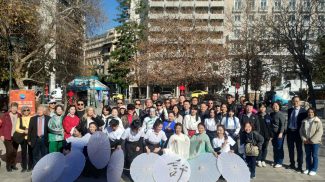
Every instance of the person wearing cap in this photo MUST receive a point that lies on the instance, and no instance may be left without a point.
(249, 116)
(149, 121)
(26, 150)
(7, 129)
(51, 109)
(130, 116)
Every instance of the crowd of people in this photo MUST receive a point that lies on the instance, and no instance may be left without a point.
(179, 126)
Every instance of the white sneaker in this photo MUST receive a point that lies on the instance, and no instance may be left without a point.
(263, 164)
(306, 171)
(259, 163)
(278, 166)
(312, 173)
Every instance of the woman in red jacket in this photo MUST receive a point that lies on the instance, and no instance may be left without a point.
(70, 121)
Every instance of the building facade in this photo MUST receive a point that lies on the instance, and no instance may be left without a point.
(97, 52)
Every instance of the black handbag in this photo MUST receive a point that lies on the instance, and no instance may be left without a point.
(19, 137)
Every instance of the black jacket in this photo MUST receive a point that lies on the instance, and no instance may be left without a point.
(301, 116)
(98, 120)
(265, 126)
(253, 119)
(32, 129)
(279, 123)
(252, 137)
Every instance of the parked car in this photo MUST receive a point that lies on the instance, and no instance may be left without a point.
(166, 94)
(116, 96)
(198, 93)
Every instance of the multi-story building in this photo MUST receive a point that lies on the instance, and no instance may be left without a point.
(97, 52)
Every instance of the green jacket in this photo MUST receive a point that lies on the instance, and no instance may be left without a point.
(55, 129)
(200, 143)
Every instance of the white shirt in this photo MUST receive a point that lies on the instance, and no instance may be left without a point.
(131, 136)
(217, 142)
(78, 143)
(114, 135)
(120, 123)
(190, 123)
(210, 124)
(231, 124)
(155, 138)
(179, 119)
(148, 123)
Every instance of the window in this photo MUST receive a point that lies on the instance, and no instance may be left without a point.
(292, 19)
(263, 4)
(237, 18)
(263, 17)
(321, 4)
(251, 18)
(277, 4)
(237, 33)
(306, 19)
(237, 4)
(307, 4)
(292, 4)
(252, 4)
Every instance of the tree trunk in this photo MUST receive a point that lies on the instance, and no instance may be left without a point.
(311, 91)
(139, 91)
(20, 83)
(247, 79)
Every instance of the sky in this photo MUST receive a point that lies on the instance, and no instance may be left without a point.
(109, 8)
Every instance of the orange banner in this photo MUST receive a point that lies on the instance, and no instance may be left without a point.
(23, 98)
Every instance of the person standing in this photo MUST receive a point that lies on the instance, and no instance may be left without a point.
(179, 143)
(204, 112)
(191, 122)
(7, 129)
(70, 121)
(266, 132)
(51, 109)
(169, 126)
(149, 121)
(249, 116)
(38, 134)
(89, 117)
(22, 129)
(311, 132)
(251, 139)
(138, 108)
(178, 116)
(296, 115)
(56, 131)
(211, 125)
(186, 108)
(223, 113)
(130, 116)
(278, 127)
(80, 109)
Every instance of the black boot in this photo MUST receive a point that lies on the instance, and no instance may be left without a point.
(8, 169)
(14, 168)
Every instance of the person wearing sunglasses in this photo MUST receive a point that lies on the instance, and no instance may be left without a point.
(80, 109)
(51, 109)
(22, 129)
(119, 103)
(138, 109)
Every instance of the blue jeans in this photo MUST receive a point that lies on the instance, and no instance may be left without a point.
(312, 156)
(278, 153)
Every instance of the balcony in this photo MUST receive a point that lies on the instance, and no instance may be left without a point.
(262, 9)
(217, 3)
(237, 9)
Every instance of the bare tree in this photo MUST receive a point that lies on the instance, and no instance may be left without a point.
(248, 43)
(295, 27)
(176, 51)
(38, 29)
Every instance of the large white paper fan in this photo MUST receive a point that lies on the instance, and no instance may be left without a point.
(171, 168)
(233, 168)
(115, 166)
(49, 168)
(141, 169)
(74, 164)
(204, 168)
(99, 149)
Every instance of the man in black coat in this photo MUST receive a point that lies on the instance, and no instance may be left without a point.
(249, 116)
(296, 115)
(38, 134)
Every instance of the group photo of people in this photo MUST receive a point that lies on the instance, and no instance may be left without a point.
(181, 126)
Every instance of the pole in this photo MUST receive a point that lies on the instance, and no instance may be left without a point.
(10, 74)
